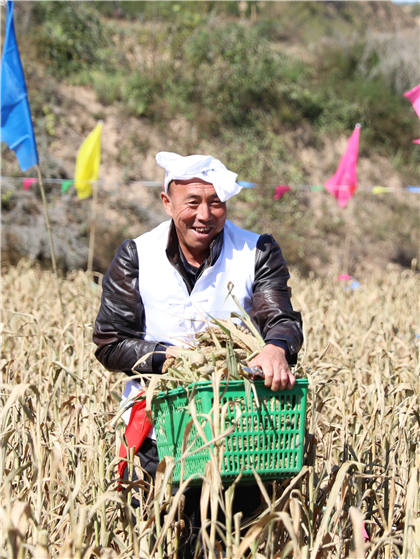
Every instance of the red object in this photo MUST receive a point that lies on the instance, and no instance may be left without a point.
(280, 190)
(28, 182)
(343, 183)
(365, 534)
(414, 97)
(135, 433)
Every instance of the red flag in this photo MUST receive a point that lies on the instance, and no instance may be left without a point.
(343, 184)
(280, 190)
(27, 182)
(414, 96)
(135, 433)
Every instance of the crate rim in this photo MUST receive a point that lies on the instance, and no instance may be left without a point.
(300, 382)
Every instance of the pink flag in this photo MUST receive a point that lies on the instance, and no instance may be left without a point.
(416, 141)
(414, 96)
(365, 533)
(280, 190)
(28, 182)
(344, 183)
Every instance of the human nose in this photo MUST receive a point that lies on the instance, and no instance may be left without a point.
(203, 212)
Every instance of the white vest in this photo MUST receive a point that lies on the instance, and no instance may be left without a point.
(172, 315)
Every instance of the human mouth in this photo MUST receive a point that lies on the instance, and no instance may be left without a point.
(202, 230)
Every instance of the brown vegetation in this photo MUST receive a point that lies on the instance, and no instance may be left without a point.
(58, 451)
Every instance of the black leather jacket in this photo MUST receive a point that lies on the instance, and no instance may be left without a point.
(120, 321)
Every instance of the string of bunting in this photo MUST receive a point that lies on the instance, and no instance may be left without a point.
(279, 190)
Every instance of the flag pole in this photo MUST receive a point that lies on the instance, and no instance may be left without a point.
(50, 237)
(347, 245)
(348, 261)
(95, 186)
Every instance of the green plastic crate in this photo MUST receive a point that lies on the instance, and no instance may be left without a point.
(268, 439)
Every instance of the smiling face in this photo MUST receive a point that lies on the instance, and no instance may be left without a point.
(198, 215)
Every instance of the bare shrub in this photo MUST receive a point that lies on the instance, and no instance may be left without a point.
(392, 56)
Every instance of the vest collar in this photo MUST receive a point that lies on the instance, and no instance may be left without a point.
(173, 252)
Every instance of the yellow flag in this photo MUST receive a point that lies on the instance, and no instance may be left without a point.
(380, 189)
(87, 163)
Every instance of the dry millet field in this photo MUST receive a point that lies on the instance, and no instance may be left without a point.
(356, 496)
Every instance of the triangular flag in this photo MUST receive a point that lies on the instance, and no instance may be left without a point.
(343, 183)
(16, 122)
(414, 96)
(246, 184)
(65, 185)
(380, 189)
(28, 182)
(280, 191)
(87, 163)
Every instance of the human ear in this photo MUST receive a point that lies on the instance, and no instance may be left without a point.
(166, 203)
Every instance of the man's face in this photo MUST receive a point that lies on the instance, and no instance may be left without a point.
(198, 215)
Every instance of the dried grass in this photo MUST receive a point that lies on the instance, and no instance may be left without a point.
(58, 476)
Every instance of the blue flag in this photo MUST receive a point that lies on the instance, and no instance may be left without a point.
(16, 122)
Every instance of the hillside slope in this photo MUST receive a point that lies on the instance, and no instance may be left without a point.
(153, 73)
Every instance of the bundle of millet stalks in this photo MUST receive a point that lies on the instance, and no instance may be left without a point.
(222, 349)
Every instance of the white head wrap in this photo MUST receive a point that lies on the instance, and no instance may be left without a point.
(204, 167)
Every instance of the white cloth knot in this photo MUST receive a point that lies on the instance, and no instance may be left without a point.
(205, 167)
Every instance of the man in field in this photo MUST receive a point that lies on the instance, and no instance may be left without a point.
(160, 285)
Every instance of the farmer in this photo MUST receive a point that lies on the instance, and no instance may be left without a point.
(160, 286)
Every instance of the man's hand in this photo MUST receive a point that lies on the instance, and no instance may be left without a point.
(173, 351)
(277, 374)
